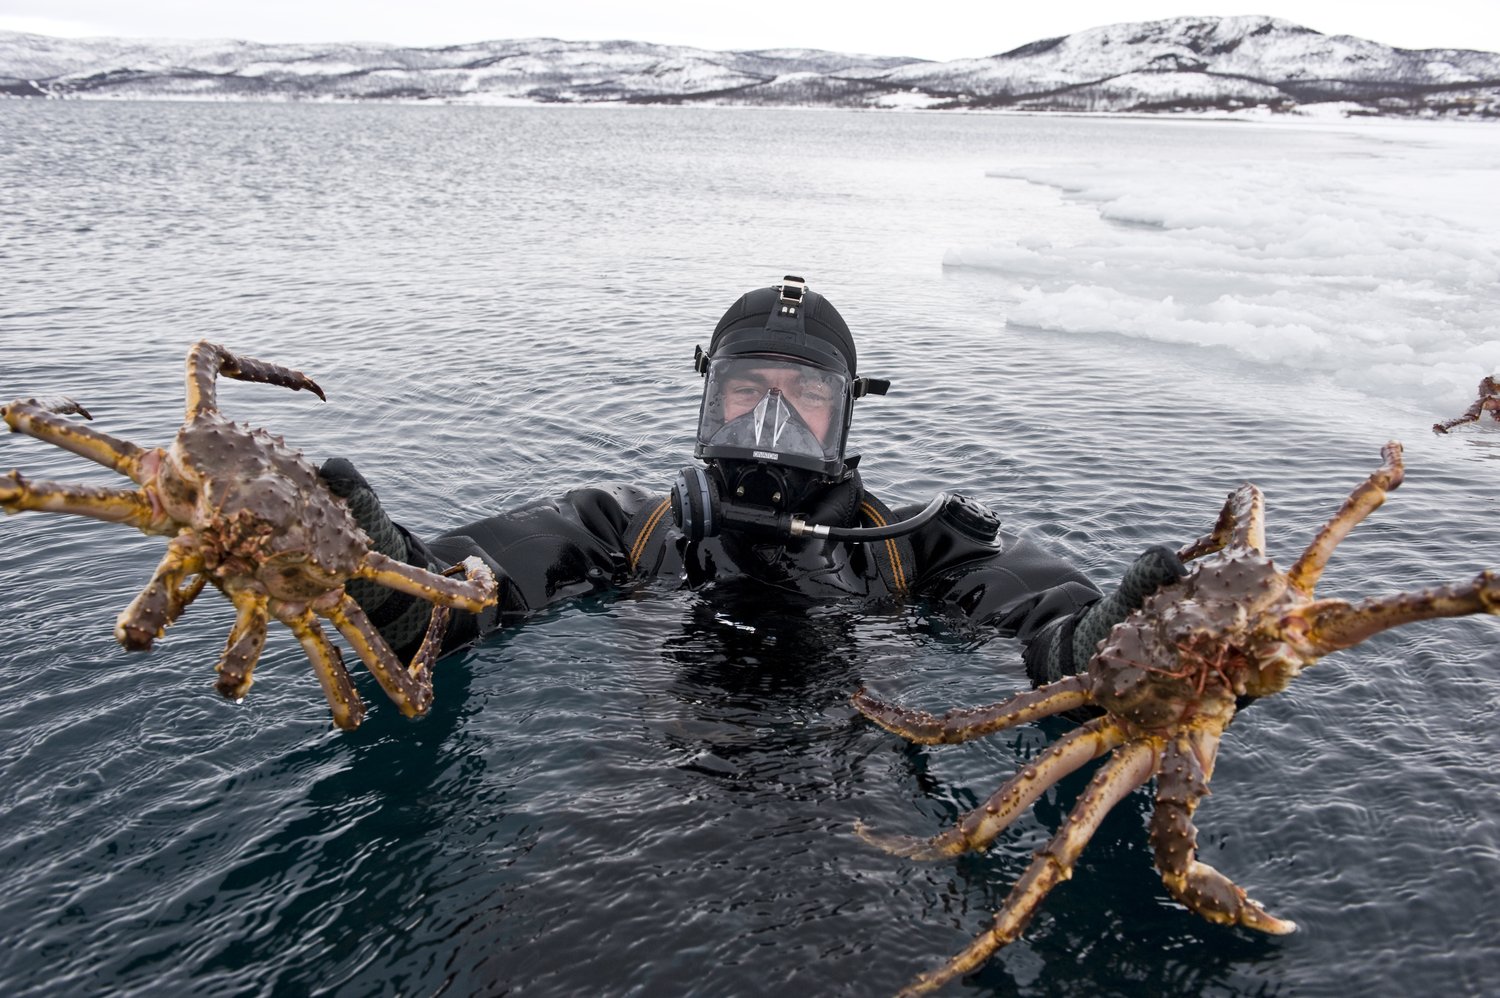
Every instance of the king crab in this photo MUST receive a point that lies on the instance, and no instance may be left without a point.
(1167, 678)
(250, 516)
(1488, 400)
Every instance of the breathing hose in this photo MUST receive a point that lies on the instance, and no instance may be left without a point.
(700, 512)
(898, 529)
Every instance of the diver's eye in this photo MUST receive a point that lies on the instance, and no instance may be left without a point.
(817, 394)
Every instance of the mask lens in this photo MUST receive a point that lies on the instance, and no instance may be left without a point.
(774, 405)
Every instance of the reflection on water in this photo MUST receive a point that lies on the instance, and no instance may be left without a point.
(766, 649)
(652, 793)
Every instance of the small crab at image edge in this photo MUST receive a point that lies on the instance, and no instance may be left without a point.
(1167, 679)
(250, 516)
(1488, 401)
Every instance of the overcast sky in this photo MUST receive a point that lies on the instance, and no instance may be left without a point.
(926, 30)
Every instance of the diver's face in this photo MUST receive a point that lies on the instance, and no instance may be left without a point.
(813, 397)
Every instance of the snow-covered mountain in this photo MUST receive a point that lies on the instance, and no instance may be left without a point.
(535, 69)
(1224, 62)
(1181, 63)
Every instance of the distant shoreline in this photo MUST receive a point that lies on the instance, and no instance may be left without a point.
(1227, 66)
(1307, 115)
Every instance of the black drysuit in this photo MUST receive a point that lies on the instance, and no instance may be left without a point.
(594, 539)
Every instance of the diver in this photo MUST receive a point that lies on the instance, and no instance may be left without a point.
(777, 502)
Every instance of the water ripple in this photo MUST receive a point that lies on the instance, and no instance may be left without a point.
(652, 793)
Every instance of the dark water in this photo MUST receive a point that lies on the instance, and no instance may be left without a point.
(651, 794)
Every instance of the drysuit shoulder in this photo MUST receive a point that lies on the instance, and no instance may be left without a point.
(1019, 586)
(964, 534)
(608, 510)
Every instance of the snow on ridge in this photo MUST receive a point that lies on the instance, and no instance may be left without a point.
(1183, 63)
(1305, 65)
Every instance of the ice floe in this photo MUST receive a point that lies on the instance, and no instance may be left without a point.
(1383, 271)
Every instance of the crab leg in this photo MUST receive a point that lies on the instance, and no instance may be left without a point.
(1241, 523)
(476, 592)
(1363, 501)
(1488, 391)
(164, 598)
(1186, 767)
(1133, 764)
(39, 418)
(410, 688)
(978, 828)
(327, 661)
(246, 640)
(128, 506)
(959, 725)
(206, 361)
(1328, 625)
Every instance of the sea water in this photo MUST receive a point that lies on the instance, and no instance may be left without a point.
(1097, 326)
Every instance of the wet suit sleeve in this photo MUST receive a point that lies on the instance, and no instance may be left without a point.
(543, 553)
(1064, 647)
(1008, 582)
(1018, 590)
(540, 553)
(1021, 590)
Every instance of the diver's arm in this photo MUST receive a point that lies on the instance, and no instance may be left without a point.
(401, 618)
(1023, 591)
(540, 553)
(554, 549)
(1019, 590)
(1008, 582)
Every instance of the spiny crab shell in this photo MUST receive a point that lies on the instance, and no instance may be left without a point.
(258, 509)
(1211, 628)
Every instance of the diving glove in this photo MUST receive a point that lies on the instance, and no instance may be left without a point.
(1065, 646)
(345, 481)
(399, 617)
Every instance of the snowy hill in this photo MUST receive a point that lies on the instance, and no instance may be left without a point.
(537, 69)
(1185, 63)
(1228, 62)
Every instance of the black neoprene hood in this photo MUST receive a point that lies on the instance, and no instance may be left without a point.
(824, 342)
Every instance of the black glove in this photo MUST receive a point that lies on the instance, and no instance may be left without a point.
(345, 481)
(1066, 645)
(400, 617)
